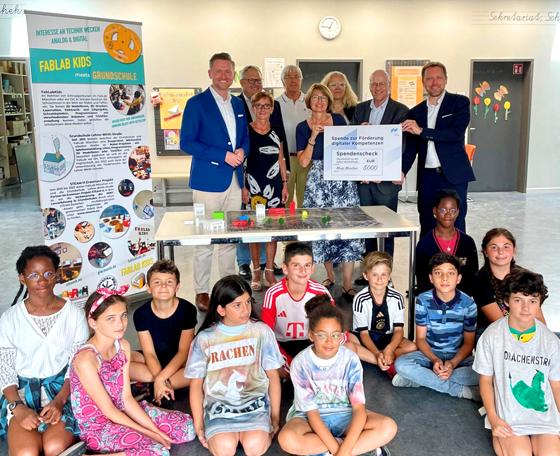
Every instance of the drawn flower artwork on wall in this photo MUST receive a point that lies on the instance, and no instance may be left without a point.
(507, 106)
(487, 102)
(496, 109)
(476, 102)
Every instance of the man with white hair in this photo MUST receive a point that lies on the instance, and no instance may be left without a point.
(381, 110)
(294, 111)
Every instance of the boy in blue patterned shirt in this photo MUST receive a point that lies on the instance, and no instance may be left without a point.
(445, 332)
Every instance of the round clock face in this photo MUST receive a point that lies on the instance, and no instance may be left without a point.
(329, 27)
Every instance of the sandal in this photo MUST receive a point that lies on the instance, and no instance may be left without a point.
(256, 281)
(350, 293)
(268, 283)
(328, 284)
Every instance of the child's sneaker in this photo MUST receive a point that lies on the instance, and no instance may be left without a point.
(471, 392)
(77, 449)
(383, 451)
(140, 390)
(400, 382)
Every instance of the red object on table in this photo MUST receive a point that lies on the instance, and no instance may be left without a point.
(240, 223)
(292, 208)
(277, 211)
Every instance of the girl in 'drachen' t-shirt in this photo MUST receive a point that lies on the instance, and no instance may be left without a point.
(233, 367)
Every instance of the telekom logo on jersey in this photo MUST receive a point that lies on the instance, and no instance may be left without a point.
(295, 329)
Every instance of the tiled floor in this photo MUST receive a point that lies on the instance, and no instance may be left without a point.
(429, 423)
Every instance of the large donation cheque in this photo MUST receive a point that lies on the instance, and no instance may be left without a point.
(93, 157)
(363, 152)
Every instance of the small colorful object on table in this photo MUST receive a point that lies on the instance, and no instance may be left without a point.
(304, 215)
(218, 215)
(292, 209)
(280, 221)
(277, 211)
(325, 219)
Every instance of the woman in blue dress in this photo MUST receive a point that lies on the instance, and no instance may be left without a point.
(326, 193)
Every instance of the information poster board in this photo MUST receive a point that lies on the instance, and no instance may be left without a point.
(93, 159)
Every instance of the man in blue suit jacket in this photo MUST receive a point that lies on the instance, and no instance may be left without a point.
(214, 132)
(436, 133)
(381, 110)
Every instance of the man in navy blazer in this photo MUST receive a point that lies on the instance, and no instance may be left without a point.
(214, 132)
(436, 133)
(381, 110)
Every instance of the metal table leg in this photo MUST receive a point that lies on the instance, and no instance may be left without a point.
(160, 250)
(411, 297)
(381, 244)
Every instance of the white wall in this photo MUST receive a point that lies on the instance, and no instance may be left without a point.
(180, 35)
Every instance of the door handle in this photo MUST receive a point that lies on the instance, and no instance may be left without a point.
(472, 128)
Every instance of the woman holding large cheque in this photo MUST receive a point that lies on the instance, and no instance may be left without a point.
(323, 193)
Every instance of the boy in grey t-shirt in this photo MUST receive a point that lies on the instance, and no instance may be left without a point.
(518, 359)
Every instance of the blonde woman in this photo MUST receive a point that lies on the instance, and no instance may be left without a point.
(344, 98)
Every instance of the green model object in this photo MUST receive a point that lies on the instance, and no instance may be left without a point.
(531, 397)
(218, 215)
(280, 221)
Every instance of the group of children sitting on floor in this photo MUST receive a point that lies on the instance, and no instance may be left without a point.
(234, 365)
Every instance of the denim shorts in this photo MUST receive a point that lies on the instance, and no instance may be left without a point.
(336, 422)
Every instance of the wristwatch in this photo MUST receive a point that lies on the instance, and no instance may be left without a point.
(12, 405)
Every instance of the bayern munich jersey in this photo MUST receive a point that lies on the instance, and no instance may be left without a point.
(285, 315)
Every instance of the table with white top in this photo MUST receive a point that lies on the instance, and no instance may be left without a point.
(179, 228)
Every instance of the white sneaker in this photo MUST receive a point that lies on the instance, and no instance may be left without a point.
(77, 449)
(471, 392)
(400, 382)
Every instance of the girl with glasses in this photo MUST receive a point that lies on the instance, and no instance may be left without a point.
(38, 335)
(266, 179)
(233, 371)
(446, 238)
(329, 415)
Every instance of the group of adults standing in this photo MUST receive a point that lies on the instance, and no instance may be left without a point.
(281, 143)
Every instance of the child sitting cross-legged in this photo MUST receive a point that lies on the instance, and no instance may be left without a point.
(378, 313)
(165, 326)
(329, 414)
(445, 332)
(518, 360)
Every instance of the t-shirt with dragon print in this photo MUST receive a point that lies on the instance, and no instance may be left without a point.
(522, 373)
(233, 362)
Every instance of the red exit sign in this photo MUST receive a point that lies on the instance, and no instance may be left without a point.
(517, 68)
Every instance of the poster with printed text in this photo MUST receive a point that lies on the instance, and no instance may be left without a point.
(93, 158)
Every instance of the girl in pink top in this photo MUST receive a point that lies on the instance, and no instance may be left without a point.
(109, 419)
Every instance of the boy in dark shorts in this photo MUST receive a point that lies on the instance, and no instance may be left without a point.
(165, 326)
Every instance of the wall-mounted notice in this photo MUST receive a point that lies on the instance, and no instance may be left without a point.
(89, 103)
(273, 67)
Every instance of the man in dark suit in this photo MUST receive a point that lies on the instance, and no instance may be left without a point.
(436, 133)
(381, 110)
(214, 132)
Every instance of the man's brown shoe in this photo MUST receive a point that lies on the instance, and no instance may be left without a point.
(202, 301)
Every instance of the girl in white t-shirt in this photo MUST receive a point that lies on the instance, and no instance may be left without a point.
(233, 371)
(329, 413)
(38, 335)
